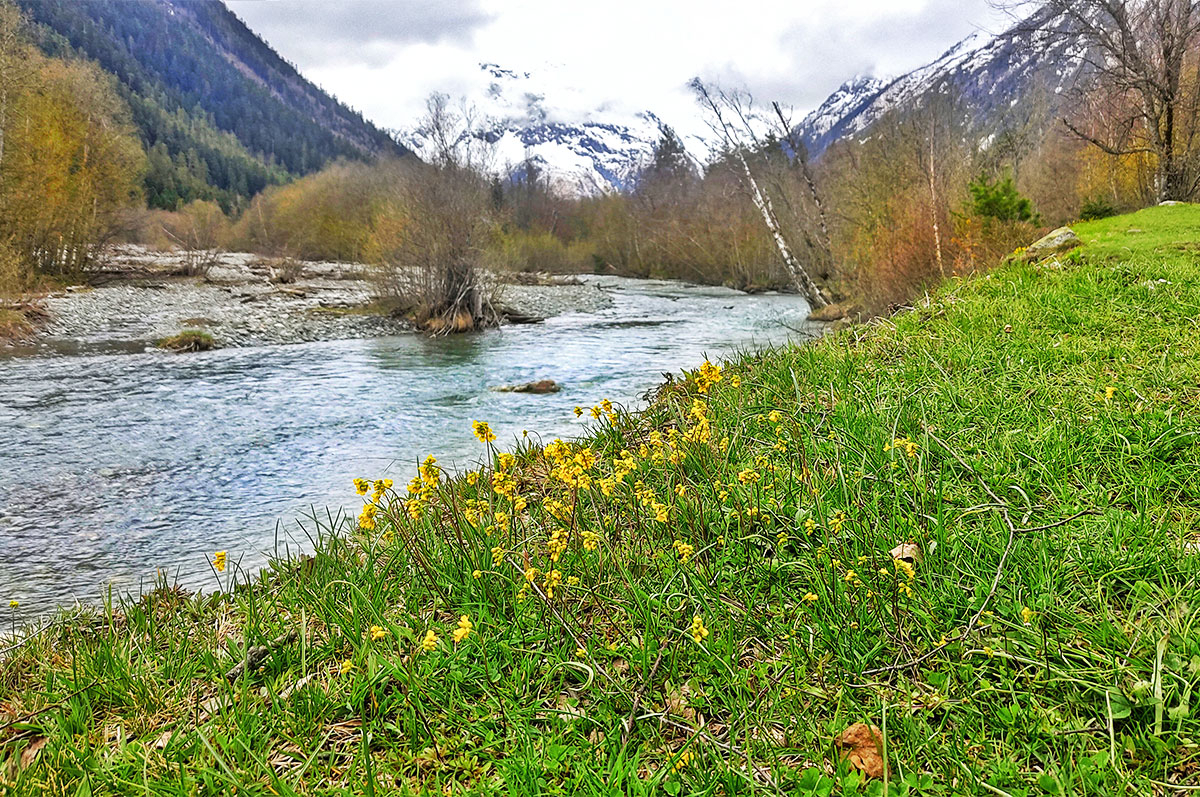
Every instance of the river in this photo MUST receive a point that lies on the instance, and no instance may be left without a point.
(114, 465)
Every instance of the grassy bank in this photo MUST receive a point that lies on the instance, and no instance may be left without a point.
(702, 598)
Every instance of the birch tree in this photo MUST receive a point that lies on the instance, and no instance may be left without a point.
(729, 119)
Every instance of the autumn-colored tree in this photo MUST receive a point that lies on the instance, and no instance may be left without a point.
(70, 160)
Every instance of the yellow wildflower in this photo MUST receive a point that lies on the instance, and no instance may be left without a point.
(1109, 392)
(684, 551)
(809, 596)
(347, 667)
(579, 412)
(463, 630)
(707, 376)
(699, 632)
(684, 759)
(378, 632)
(477, 574)
(219, 561)
(430, 642)
(483, 431)
(361, 486)
(13, 604)
(1027, 615)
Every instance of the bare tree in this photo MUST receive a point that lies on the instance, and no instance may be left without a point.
(730, 117)
(431, 242)
(1145, 54)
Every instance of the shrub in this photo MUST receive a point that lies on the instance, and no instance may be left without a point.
(188, 340)
(1000, 200)
(1097, 208)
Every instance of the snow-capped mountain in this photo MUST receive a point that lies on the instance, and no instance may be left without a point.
(530, 120)
(999, 80)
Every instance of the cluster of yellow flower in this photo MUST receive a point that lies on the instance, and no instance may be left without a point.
(463, 630)
(748, 476)
(219, 561)
(707, 376)
(423, 488)
(483, 431)
(903, 444)
(905, 567)
(571, 467)
(366, 518)
(701, 430)
(557, 544)
(683, 550)
(699, 632)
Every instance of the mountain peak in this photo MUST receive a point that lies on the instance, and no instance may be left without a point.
(988, 73)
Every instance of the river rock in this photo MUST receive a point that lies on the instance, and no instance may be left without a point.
(830, 312)
(539, 388)
(1056, 242)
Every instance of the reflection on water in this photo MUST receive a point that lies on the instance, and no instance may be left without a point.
(115, 464)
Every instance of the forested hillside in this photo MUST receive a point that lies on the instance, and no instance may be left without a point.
(220, 114)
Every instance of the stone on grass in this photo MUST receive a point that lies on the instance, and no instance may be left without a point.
(1056, 242)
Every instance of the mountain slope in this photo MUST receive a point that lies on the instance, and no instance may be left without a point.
(220, 113)
(999, 80)
(578, 154)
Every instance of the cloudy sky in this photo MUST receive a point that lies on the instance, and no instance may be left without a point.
(605, 60)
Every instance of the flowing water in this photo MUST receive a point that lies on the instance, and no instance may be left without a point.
(114, 465)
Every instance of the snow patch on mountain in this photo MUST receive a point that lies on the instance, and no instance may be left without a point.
(990, 74)
(532, 120)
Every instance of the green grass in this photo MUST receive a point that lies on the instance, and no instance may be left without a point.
(1033, 431)
(189, 340)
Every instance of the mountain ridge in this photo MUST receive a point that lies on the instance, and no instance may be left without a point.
(219, 111)
(993, 76)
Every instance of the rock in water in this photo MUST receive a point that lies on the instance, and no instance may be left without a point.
(540, 387)
(1057, 242)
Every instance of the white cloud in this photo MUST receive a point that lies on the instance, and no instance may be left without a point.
(623, 56)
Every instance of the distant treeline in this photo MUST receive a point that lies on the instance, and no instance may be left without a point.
(873, 221)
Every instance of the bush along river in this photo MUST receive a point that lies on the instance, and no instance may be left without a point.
(115, 466)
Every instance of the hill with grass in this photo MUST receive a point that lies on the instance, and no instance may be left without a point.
(951, 552)
(220, 113)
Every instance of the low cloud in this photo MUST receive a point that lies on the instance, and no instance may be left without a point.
(318, 33)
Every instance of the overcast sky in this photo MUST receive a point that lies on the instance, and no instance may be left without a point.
(605, 60)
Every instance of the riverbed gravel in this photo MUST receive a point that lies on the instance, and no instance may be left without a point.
(137, 298)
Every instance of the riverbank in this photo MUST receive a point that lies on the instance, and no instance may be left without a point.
(136, 297)
(972, 526)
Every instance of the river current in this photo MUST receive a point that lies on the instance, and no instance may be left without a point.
(114, 465)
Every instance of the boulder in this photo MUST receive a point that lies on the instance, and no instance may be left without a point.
(1056, 242)
(830, 312)
(539, 388)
